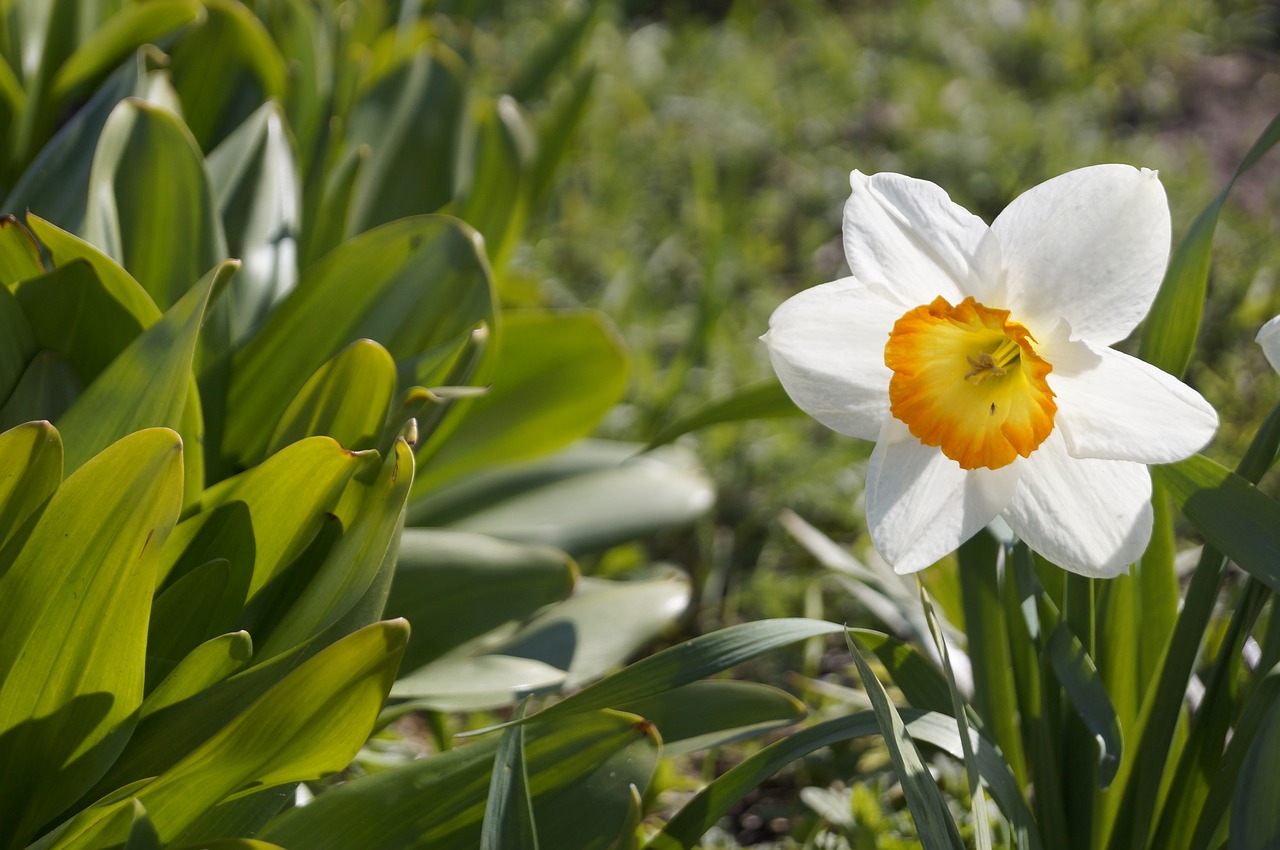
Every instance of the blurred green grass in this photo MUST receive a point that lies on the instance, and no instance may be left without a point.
(709, 176)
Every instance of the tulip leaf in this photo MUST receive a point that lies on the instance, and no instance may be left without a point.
(933, 821)
(46, 390)
(454, 588)
(556, 375)
(1169, 334)
(202, 603)
(255, 180)
(19, 254)
(309, 725)
(588, 499)
(508, 817)
(369, 544)
(17, 342)
(410, 285)
(206, 665)
(439, 801)
(142, 832)
(148, 384)
(765, 400)
(700, 715)
(72, 646)
(151, 207)
(285, 498)
(31, 460)
(347, 399)
(1234, 517)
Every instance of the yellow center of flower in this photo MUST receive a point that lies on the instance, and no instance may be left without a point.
(968, 380)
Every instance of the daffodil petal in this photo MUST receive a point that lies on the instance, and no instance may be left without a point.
(827, 347)
(905, 238)
(1269, 338)
(1089, 246)
(1117, 407)
(1090, 516)
(922, 505)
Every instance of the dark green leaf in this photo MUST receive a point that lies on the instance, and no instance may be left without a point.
(766, 400)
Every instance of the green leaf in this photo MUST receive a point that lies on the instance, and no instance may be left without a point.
(593, 495)
(491, 195)
(45, 391)
(72, 645)
(346, 399)
(765, 400)
(148, 384)
(226, 69)
(474, 683)
(151, 207)
(410, 285)
(1255, 819)
(556, 130)
(439, 801)
(919, 679)
(142, 832)
(255, 181)
(700, 715)
(531, 80)
(699, 814)
(933, 821)
(31, 460)
(1169, 334)
(19, 254)
(1234, 517)
(603, 623)
(309, 725)
(369, 543)
(508, 818)
(205, 666)
(115, 39)
(557, 373)
(455, 588)
(408, 118)
(202, 603)
(687, 662)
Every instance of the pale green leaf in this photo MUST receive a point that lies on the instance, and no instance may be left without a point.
(30, 472)
(700, 715)
(206, 665)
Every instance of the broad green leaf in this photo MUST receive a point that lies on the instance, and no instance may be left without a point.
(584, 504)
(556, 129)
(30, 472)
(687, 827)
(19, 255)
(17, 341)
(346, 399)
(700, 715)
(603, 623)
(202, 603)
(508, 817)
(439, 801)
(475, 682)
(921, 683)
(142, 832)
(255, 181)
(45, 391)
(1169, 333)
(455, 588)
(325, 230)
(1233, 516)
(1255, 819)
(118, 284)
(225, 69)
(491, 195)
(410, 285)
(72, 645)
(687, 662)
(151, 207)
(933, 821)
(369, 543)
(116, 39)
(205, 666)
(309, 725)
(148, 384)
(232, 844)
(556, 375)
(408, 118)
(287, 496)
(766, 400)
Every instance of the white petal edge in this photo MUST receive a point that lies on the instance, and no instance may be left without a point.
(1117, 407)
(1092, 517)
(906, 239)
(1269, 338)
(921, 505)
(827, 347)
(1089, 246)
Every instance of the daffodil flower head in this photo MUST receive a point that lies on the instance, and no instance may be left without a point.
(1269, 338)
(979, 359)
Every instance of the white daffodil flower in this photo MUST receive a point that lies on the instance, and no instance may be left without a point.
(1269, 338)
(978, 358)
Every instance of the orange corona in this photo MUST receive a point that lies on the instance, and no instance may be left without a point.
(969, 381)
